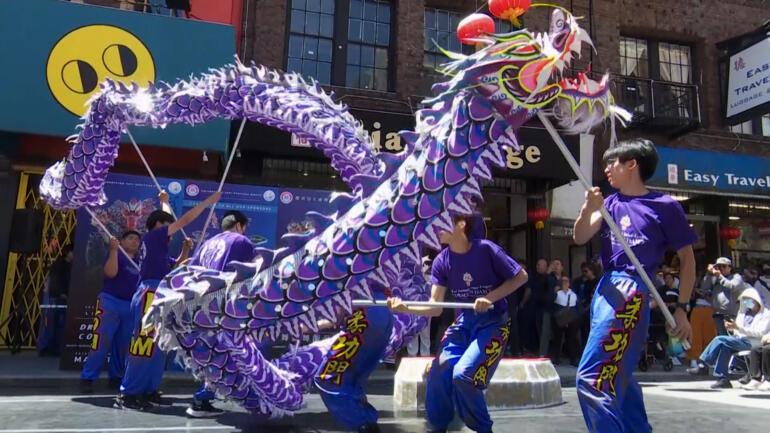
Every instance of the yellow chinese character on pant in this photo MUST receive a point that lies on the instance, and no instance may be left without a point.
(607, 374)
(630, 314)
(357, 323)
(346, 346)
(334, 368)
(493, 351)
(505, 331)
(480, 377)
(619, 344)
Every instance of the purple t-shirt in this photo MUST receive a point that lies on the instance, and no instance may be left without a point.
(476, 273)
(124, 283)
(223, 248)
(650, 223)
(156, 263)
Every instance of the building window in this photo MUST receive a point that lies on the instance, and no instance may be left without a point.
(674, 62)
(368, 45)
(743, 127)
(441, 28)
(311, 32)
(766, 125)
(659, 60)
(633, 57)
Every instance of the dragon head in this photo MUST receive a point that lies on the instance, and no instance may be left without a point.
(520, 73)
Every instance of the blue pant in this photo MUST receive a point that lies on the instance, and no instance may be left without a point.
(52, 321)
(111, 335)
(609, 396)
(341, 377)
(203, 394)
(719, 351)
(470, 352)
(145, 362)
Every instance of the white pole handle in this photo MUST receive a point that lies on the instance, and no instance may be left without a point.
(152, 175)
(233, 151)
(462, 305)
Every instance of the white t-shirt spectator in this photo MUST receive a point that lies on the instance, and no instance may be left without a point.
(566, 299)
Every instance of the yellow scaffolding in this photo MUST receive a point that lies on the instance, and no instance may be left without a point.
(26, 274)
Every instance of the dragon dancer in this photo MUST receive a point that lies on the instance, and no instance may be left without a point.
(609, 396)
(145, 362)
(216, 253)
(112, 317)
(480, 272)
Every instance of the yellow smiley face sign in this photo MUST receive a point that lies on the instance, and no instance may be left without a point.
(88, 55)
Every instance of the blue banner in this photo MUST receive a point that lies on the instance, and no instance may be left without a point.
(711, 171)
(52, 67)
(272, 211)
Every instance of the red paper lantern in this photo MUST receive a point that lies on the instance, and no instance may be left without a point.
(538, 215)
(473, 26)
(509, 9)
(729, 233)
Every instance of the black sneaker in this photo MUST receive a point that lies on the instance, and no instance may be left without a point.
(369, 428)
(86, 386)
(114, 383)
(133, 402)
(745, 379)
(156, 398)
(722, 383)
(203, 409)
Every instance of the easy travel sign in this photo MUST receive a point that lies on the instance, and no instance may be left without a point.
(749, 79)
(711, 171)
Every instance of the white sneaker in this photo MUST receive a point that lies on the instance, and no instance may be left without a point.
(676, 361)
(752, 386)
(693, 363)
(765, 386)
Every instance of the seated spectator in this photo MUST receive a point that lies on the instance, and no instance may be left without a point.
(762, 283)
(759, 366)
(746, 331)
(565, 323)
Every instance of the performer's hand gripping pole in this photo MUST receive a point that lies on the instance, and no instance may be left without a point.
(610, 222)
(233, 151)
(461, 305)
(107, 232)
(149, 170)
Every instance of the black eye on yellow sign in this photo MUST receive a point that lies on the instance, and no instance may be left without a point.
(84, 57)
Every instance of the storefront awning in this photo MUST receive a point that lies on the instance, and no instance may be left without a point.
(704, 172)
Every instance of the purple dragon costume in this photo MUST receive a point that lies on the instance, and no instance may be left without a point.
(398, 202)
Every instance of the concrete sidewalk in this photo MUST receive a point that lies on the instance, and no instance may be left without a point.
(27, 370)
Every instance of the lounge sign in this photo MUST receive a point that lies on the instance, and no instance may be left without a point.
(712, 171)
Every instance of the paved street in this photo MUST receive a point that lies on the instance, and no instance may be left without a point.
(672, 407)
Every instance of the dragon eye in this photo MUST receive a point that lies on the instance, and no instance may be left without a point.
(560, 24)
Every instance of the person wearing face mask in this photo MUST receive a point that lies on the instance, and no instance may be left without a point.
(112, 317)
(752, 322)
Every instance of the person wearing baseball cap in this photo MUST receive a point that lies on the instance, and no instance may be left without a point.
(725, 286)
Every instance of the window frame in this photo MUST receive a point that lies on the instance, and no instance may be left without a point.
(340, 41)
(653, 58)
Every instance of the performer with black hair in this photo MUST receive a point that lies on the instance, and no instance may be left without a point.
(229, 245)
(610, 398)
(145, 362)
(112, 315)
(478, 271)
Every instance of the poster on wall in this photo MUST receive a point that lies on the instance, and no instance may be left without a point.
(130, 201)
(272, 212)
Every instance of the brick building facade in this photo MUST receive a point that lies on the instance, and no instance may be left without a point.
(690, 29)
